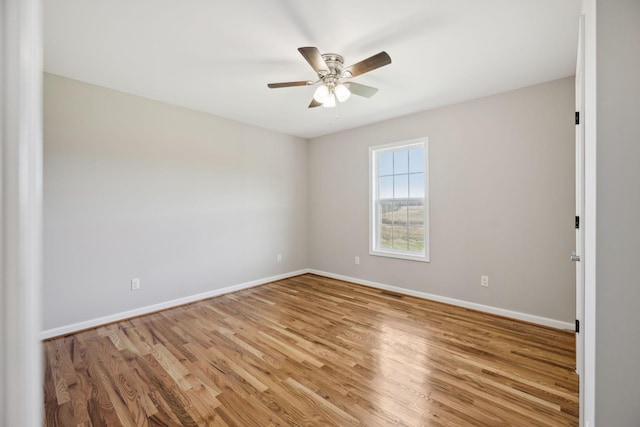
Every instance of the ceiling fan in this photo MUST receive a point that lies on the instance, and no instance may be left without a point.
(334, 79)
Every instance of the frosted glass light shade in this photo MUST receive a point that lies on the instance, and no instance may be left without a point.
(342, 92)
(330, 102)
(322, 94)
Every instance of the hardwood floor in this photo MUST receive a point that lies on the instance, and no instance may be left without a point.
(312, 351)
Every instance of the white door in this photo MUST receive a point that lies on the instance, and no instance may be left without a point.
(580, 220)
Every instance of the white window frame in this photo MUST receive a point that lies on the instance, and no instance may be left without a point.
(373, 200)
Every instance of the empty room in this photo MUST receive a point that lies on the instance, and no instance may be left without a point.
(260, 213)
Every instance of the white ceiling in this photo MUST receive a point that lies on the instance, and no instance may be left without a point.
(218, 56)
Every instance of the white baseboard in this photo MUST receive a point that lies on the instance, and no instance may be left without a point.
(92, 323)
(558, 324)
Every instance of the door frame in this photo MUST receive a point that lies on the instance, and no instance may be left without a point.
(580, 207)
(588, 329)
(579, 189)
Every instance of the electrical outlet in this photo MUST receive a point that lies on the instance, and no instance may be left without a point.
(135, 284)
(357, 260)
(484, 281)
(279, 258)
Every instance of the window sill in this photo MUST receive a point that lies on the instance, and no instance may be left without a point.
(397, 255)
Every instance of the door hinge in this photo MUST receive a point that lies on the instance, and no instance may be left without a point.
(577, 117)
(577, 222)
(577, 326)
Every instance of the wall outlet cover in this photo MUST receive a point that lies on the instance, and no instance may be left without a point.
(484, 281)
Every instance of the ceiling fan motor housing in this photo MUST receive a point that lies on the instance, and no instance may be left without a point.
(334, 63)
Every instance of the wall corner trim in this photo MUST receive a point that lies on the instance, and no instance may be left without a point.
(544, 321)
(92, 323)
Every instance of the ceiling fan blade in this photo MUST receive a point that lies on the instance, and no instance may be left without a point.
(376, 61)
(289, 84)
(314, 58)
(362, 90)
(314, 103)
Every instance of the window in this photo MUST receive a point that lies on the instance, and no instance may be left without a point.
(399, 200)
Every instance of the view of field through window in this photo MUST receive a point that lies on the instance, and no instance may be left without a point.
(400, 199)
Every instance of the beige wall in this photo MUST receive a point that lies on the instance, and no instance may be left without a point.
(502, 201)
(185, 201)
(190, 202)
(617, 356)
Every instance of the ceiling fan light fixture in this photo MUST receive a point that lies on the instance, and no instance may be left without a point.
(321, 94)
(330, 102)
(342, 92)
